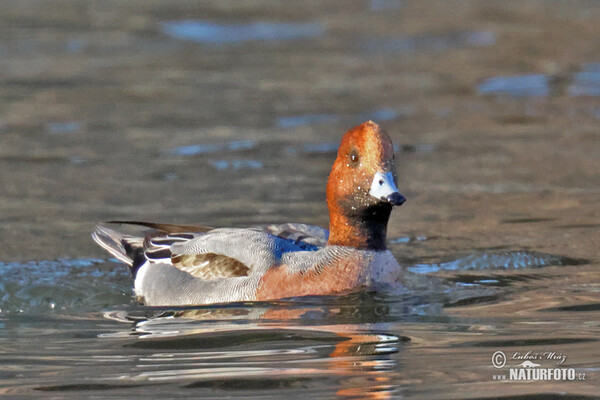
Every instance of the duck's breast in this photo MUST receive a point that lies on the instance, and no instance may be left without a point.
(333, 269)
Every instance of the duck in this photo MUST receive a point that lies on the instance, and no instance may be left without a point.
(186, 265)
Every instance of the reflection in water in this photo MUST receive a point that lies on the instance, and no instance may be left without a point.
(296, 121)
(384, 114)
(361, 345)
(586, 82)
(210, 148)
(236, 164)
(63, 127)
(408, 239)
(214, 33)
(281, 344)
(535, 85)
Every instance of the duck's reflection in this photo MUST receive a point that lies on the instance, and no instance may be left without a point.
(350, 350)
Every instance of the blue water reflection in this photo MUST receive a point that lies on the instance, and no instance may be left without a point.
(533, 85)
(63, 127)
(384, 114)
(586, 82)
(307, 119)
(210, 148)
(215, 33)
(236, 164)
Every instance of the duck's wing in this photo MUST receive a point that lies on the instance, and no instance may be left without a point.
(207, 254)
(307, 237)
(232, 252)
(218, 265)
(238, 251)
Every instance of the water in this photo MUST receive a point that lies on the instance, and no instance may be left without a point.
(213, 33)
(430, 42)
(586, 82)
(198, 149)
(108, 113)
(525, 85)
(382, 115)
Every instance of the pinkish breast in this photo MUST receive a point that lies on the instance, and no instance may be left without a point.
(344, 274)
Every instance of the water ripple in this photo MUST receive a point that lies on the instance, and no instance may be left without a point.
(219, 34)
(211, 148)
(383, 114)
(504, 260)
(586, 82)
(236, 164)
(534, 85)
(62, 284)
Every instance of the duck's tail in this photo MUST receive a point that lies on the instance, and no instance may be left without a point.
(126, 248)
(131, 249)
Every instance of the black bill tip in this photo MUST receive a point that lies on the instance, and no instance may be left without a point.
(396, 199)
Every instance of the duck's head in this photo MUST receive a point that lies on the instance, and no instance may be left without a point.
(362, 188)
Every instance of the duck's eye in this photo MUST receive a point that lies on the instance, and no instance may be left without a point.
(353, 158)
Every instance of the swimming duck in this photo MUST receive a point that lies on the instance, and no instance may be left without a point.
(178, 265)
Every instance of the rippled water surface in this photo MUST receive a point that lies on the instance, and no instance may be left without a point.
(229, 114)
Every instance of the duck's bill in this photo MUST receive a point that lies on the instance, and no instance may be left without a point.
(383, 188)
